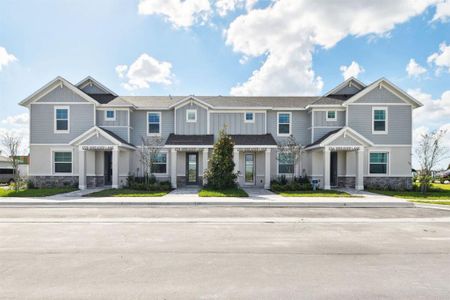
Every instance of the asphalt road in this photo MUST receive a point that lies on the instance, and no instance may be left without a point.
(240, 253)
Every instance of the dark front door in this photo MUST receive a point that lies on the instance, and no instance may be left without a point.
(107, 171)
(333, 169)
(191, 168)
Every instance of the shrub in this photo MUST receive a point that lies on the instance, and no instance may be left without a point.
(147, 183)
(281, 184)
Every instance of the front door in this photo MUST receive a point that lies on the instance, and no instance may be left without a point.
(107, 170)
(249, 168)
(333, 169)
(191, 168)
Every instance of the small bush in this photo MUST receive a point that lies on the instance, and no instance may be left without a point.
(282, 184)
(147, 183)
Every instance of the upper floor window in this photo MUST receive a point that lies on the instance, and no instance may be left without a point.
(159, 163)
(62, 162)
(379, 120)
(191, 115)
(153, 123)
(249, 117)
(378, 163)
(331, 115)
(284, 123)
(110, 115)
(61, 119)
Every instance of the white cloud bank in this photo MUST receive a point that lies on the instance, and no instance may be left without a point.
(144, 71)
(353, 70)
(223, 7)
(441, 59)
(288, 31)
(6, 58)
(442, 11)
(414, 69)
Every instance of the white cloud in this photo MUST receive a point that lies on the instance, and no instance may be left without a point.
(181, 13)
(5, 58)
(20, 119)
(441, 59)
(414, 69)
(144, 71)
(353, 70)
(223, 7)
(442, 11)
(434, 112)
(288, 31)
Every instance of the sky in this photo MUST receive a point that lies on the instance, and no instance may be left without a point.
(226, 47)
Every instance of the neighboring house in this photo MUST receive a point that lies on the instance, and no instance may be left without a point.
(355, 135)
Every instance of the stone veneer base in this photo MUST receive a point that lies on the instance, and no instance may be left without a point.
(54, 181)
(391, 183)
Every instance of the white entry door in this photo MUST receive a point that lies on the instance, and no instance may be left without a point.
(249, 168)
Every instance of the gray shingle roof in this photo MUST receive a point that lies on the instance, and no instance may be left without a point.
(190, 140)
(253, 139)
(328, 101)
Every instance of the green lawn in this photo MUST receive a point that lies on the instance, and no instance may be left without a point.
(127, 193)
(35, 192)
(232, 192)
(439, 194)
(318, 193)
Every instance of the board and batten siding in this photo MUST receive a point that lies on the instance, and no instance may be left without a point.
(199, 127)
(380, 95)
(121, 118)
(61, 95)
(235, 123)
(42, 123)
(139, 125)
(348, 90)
(299, 128)
(93, 89)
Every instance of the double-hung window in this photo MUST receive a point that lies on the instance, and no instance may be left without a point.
(159, 164)
(378, 162)
(153, 123)
(285, 163)
(249, 117)
(62, 162)
(331, 115)
(191, 115)
(284, 123)
(110, 115)
(61, 119)
(379, 120)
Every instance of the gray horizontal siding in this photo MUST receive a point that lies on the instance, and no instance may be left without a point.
(399, 124)
(320, 132)
(199, 127)
(120, 131)
(320, 119)
(42, 123)
(139, 125)
(378, 95)
(63, 95)
(98, 141)
(235, 123)
(121, 118)
(300, 124)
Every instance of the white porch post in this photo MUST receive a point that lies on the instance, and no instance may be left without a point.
(205, 164)
(326, 168)
(173, 168)
(81, 169)
(236, 163)
(267, 170)
(115, 167)
(359, 182)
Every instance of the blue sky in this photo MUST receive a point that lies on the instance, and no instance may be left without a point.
(215, 47)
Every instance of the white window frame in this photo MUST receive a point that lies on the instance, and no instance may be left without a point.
(388, 164)
(53, 151)
(278, 166)
(385, 120)
(55, 130)
(167, 164)
(147, 122)
(106, 115)
(331, 119)
(245, 117)
(278, 123)
(187, 115)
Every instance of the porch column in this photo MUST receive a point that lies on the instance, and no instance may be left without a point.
(81, 168)
(115, 167)
(326, 168)
(205, 164)
(267, 170)
(173, 168)
(236, 163)
(359, 182)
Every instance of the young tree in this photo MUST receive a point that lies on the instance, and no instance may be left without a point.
(11, 143)
(291, 150)
(220, 173)
(149, 151)
(430, 151)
